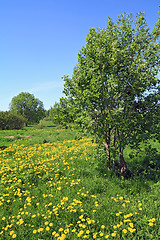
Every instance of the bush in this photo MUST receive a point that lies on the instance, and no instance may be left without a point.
(9, 121)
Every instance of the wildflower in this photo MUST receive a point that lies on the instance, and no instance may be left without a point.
(107, 236)
(66, 230)
(152, 220)
(80, 233)
(14, 236)
(62, 237)
(11, 232)
(151, 224)
(34, 231)
(102, 226)
(131, 229)
(124, 230)
(94, 236)
(113, 234)
(131, 224)
(121, 198)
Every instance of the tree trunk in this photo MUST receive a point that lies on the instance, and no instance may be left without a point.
(114, 163)
(114, 153)
(108, 155)
(122, 163)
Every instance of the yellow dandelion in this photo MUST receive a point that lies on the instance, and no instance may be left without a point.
(66, 230)
(107, 236)
(124, 230)
(61, 229)
(113, 234)
(62, 237)
(151, 224)
(11, 232)
(131, 224)
(152, 220)
(131, 229)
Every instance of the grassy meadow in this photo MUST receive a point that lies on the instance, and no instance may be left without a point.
(52, 186)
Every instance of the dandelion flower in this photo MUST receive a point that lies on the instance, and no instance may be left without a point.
(151, 224)
(107, 236)
(113, 234)
(124, 230)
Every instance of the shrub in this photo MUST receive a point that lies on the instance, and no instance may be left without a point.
(9, 121)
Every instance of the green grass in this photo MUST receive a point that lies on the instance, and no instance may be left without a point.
(52, 187)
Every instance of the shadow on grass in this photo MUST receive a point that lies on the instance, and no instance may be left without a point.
(148, 168)
(141, 174)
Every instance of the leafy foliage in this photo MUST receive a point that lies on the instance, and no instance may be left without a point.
(10, 121)
(115, 84)
(28, 106)
(62, 113)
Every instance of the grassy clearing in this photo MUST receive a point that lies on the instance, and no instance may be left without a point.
(51, 188)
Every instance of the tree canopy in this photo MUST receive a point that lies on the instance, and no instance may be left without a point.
(115, 83)
(28, 106)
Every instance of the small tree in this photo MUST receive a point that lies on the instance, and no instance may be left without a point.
(28, 106)
(62, 112)
(115, 83)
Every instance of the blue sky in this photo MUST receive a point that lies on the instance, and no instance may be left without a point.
(40, 41)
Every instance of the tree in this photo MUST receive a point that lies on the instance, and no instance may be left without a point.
(62, 112)
(28, 106)
(115, 83)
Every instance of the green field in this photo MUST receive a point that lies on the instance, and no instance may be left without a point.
(54, 187)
